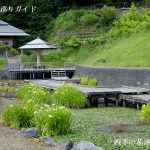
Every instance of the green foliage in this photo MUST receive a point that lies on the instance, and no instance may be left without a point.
(69, 20)
(14, 52)
(97, 41)
(89, 19)
(8, 89)
(74, 43)
(58, 57)
(10, 83)
(53, 120)
(107, 15)
(69, 96)
(92, 41)
(27, 52)
(131, 22)
(16, 116)
(84, 80)
(4, 48)
(9, 86)
(92, 82)
(89, 123)
(32, 94)
(2, 62)
(25, 57)
(145, 112)
(120, 52)
(83, 18)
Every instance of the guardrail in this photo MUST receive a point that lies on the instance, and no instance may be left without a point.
(42, 66)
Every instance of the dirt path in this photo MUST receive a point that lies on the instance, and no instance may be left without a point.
(12, 139)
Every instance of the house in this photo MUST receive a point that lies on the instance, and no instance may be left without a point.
(9, 33)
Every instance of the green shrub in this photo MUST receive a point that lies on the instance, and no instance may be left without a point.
(33, 94)
(93, 41)
(74, 43)
(69, 96)
(27, 52)
(131, 22)
(107, 15)
(2, 62)
(53, 121)
(4, 48)
(84, 80)
(92, 82)
(89, 19)
(145, 112)
(69, 20)
(16, 116)
(14, 52)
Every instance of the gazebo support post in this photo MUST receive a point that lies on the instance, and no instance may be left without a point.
(38, 57)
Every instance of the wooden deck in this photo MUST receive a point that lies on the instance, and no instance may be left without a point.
(138, 99)
(40, 69)
(93, 93)
(30, 70)
(21, 74)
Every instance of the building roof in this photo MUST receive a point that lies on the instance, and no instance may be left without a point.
(38, 44)
(8, 30)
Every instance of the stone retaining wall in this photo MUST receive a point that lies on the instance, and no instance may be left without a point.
(136, 77)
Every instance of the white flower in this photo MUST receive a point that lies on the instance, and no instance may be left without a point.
(46, 105)
(61, 107)
(35, 112)
(53, 105)
(11, 105)
(29, 100)
(50, 116)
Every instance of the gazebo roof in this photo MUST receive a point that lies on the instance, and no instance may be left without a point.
(8, 30)
(38, 44)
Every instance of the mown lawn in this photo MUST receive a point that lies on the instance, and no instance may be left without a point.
(87, 124)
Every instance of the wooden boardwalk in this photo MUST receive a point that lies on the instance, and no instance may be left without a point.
(139, 99)
(93, 93)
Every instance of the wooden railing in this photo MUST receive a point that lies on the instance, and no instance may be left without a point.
(42, 66)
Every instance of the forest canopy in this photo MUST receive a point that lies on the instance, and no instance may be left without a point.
(41, 21)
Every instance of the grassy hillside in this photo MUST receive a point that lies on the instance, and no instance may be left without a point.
(126, 52)
(132, 51)
(80, 35)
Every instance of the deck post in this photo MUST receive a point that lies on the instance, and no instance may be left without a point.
(117, 100)
(138, 106)
(95, 102)
(43, 76)
(124, 103)
(20, 76)
(106, 101)
(30, 76)
(33, 75)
